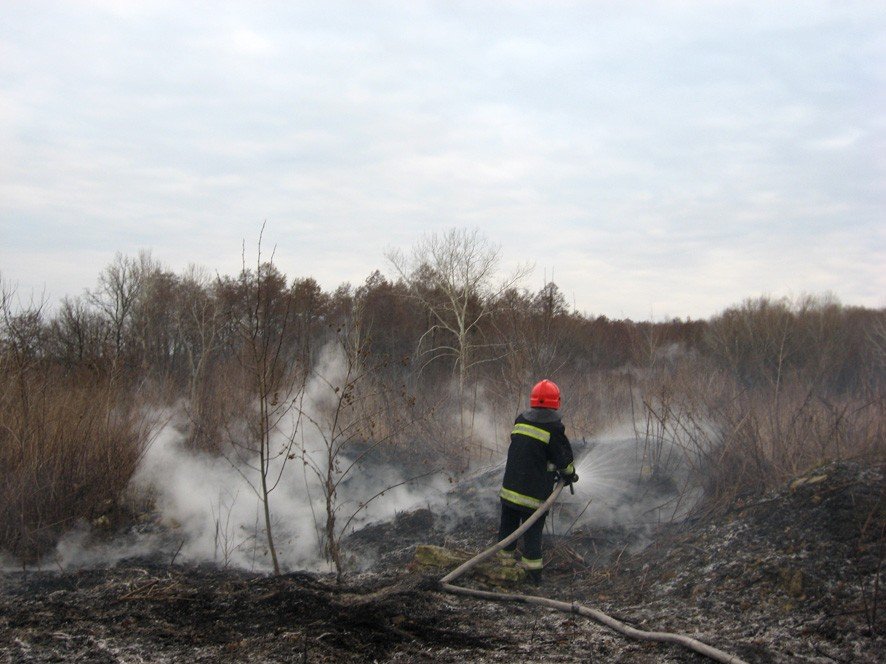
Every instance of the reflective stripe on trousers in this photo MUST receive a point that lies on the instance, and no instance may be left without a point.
(532, 563)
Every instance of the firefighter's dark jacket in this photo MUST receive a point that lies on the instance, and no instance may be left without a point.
(538, 446)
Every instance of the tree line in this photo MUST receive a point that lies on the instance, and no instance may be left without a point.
(429, 352)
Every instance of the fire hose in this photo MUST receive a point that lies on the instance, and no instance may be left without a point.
(571, 607)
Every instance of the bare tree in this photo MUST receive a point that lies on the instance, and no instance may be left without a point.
(198, 326)
(21, 343)
(265, 316)
(119, 286)
(454, 275)
(78, 335)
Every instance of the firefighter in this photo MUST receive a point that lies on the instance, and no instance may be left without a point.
(539, 447)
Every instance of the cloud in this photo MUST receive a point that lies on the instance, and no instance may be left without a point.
(607, 127)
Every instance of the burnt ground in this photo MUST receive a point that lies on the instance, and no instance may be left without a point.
(793, 576)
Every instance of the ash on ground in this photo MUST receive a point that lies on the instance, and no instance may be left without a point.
(793, 576)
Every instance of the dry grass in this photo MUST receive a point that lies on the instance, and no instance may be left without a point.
(220, 399)
(597, 401)
(67, 450)
(739, 441)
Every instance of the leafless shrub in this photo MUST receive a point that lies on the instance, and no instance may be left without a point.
(740, 440)
(69, 442)
(68, 448)
(260, 434)
(349, 417)
(226, 541)
(596, 401)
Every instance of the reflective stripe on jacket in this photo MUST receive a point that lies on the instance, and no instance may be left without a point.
(538, 445)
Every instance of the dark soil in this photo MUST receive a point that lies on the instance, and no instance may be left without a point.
(794, 576)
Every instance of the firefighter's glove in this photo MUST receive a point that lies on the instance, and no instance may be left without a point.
(568, 475)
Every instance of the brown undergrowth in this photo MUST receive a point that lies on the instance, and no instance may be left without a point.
(68, 448)
(738, 441)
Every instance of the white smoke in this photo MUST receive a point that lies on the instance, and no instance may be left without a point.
(8, 563)
(490, 432)
(209, 509)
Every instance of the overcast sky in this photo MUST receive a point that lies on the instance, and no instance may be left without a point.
(658, 159)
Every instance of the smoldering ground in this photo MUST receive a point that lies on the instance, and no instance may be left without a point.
(205, 509)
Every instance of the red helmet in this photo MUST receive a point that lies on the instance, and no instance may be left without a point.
(545, 394)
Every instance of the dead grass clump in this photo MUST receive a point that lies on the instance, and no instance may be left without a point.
(766, 440)
(740, 441)
(220, 398)
(67, 450)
